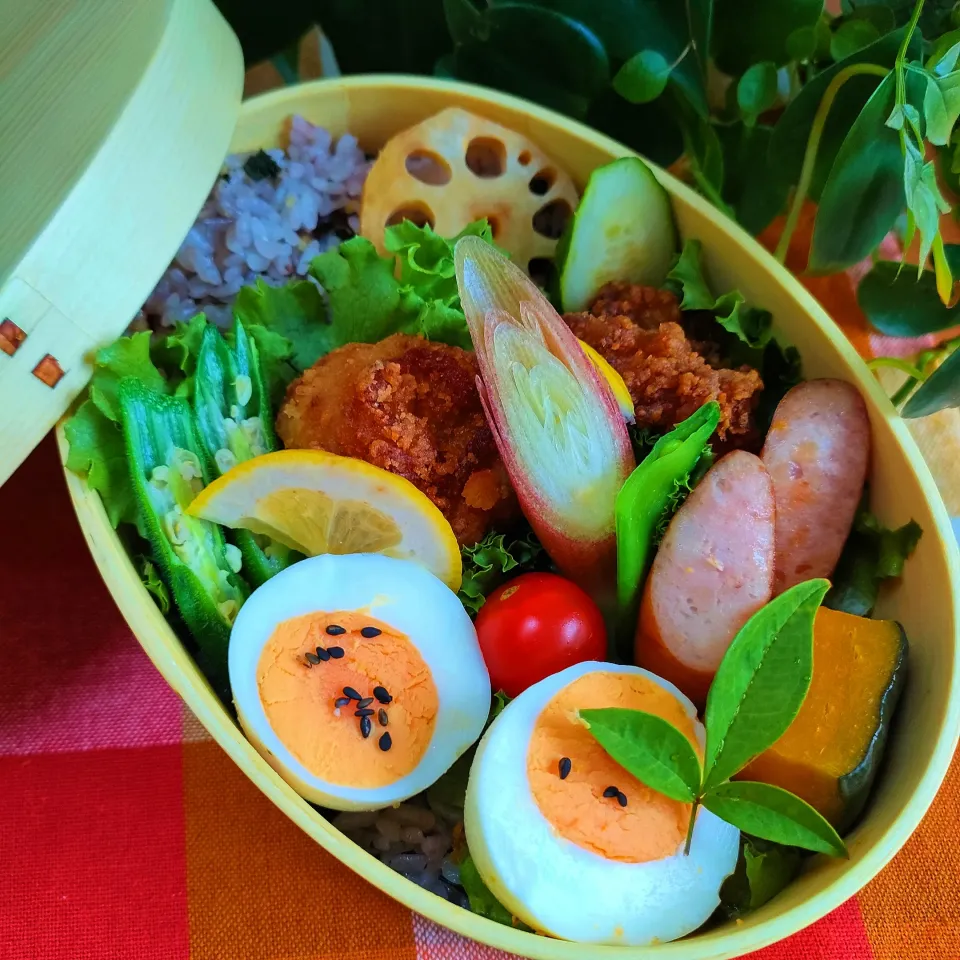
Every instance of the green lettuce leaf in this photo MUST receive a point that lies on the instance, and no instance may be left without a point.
(426, 258)
(873, 553)
(750, 325)
(488, 563)
(98, 454)
(276, 354)
(763, 869)
(153, 583)
(176, 353)
(125, 357)
(482, 901)
(295, 312)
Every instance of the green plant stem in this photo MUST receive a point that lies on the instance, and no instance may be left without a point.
(901, 395)
(693, 822)
(902, 52)
(902, 365)
(813, 144)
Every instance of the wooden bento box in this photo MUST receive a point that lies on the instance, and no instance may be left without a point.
(374, 108)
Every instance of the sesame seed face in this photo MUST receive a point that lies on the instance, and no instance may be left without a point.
(335, 630)
(565, 766)
(370, 632)
(385, 742)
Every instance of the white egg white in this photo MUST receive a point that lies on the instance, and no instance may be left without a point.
(560, 888)
(408, 598)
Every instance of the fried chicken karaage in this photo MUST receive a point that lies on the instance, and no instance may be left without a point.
(637, 331)
(410, 407)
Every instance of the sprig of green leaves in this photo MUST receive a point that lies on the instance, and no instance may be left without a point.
(755, 696)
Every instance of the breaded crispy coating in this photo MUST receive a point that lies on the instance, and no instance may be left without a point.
(410, 407)
(667, 374)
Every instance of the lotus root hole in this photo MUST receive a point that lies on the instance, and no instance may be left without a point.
(428, 167)
(417, 213)
(542, 271)
(524, 158)
(541, 182)
(486, 157)
(494, 222)
(551, 218)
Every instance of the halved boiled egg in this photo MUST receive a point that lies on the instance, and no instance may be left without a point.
(358, 677)
(567, 840)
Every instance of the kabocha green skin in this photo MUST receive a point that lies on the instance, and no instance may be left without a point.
(215, 398)
(855, 786)
(153, 426)
(641, 505)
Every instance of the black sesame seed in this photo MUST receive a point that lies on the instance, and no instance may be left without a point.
(565, 766)
(370, 632)
(335, 652)
(381, 694)
(335, 630)
(365, 727)
(351, 693)
(341, 701)
(385, 742)
(622, 799)
(322, 654)
(312, 658)
(382, 717)
(365, 702)
(365, 712)
(611, 792)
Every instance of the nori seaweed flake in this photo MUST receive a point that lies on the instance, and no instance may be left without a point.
(260, 166)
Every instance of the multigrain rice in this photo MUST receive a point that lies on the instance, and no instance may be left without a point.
(270, 228)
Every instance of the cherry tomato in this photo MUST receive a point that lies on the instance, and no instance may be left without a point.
(536, 625)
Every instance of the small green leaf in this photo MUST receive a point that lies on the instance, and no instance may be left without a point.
(944, 52)
(852, 36)
(863, 195)
(482, 901)
(880, 16)
(763, 870)
(939, 391)
(773, 814)
(762, 681)
(125, 357)
(757, 90)
(750, 31)
(941, 107)
(486, 565)
(924, 200)
(900, 305)
(643, 77)
(649, 748)
(873, 553)
(802, 43)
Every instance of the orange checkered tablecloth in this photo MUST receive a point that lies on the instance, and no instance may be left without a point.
(127, 834)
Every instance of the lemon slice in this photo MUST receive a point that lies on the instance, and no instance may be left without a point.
(620, 392)
(317, 502)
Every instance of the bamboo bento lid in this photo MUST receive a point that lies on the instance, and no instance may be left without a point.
(115, 118)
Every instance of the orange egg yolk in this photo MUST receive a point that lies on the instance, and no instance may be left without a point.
(301, 697)
(650, 826)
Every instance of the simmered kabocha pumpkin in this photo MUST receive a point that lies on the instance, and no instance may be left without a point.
(830, 754)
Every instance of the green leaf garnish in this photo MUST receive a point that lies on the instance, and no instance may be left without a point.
(125, 357)
(97, 453)
(763, 870)
(873, 553)
(762, 681)
(488, 563)
(482, 901)
(750, 325)
(649, 748)
(773, 814)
